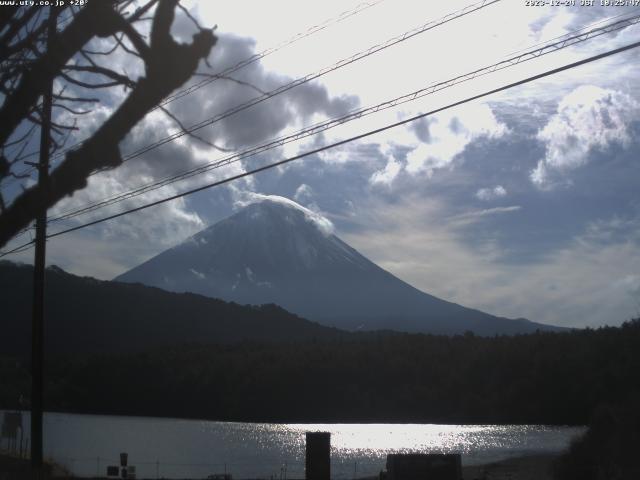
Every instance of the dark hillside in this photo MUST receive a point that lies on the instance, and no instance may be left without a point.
(85, 315)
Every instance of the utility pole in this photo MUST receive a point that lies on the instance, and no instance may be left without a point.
(37, 320)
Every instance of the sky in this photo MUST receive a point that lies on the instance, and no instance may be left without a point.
(521, 204)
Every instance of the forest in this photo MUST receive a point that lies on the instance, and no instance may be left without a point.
(541, 378)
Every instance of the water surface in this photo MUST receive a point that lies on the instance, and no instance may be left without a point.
(176, 448)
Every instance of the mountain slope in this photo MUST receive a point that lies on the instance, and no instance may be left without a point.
(278, 252)
(87, 315)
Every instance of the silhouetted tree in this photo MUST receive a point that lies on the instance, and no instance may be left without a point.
(27, 66)
(607, 451)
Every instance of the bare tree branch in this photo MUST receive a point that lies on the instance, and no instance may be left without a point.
(96, 18)
(16, 23)
(168, 65)
(121, 44)
(121, 79)
(136, 40)
(106, 52)
(231, 79)
(7, 50)
(75, 99)
(71, 110)
(92, 86)
(20, 139)
(191, 134)
(189, 16)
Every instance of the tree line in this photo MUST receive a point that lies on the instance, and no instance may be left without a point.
(541, 378)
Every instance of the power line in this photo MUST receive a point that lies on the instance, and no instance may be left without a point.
(353, 115)
(339, 143)
(312, 76)
(39, 261)
(27, 171)
(258, 56)
(306, 79)
(568, 34)
(239, 65)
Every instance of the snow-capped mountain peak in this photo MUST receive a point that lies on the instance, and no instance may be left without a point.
(274, 250)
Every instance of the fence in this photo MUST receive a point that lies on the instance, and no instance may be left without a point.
(91, 467)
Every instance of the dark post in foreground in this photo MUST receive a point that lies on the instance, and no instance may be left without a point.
(318, 456)
(418, 466)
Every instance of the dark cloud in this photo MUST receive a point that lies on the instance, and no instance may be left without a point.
(544, 222)
(264, 120)
(421, 129)
(254, 126)
(455, 125)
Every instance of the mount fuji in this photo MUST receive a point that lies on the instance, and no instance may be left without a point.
(276, 251)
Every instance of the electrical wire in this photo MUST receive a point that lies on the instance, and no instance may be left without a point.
(239, 65)
(339, 143)
(430, 25)
(347, 61)
(258, 56)
(313, 76)
(353, 115)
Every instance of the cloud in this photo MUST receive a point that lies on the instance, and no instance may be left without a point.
(449, 135)
(421, 129)
(416, 198)
(588, 119)
(435, 144)
(487, 194)
(265, 119)
(163, 225)
(170, 223)
(631, 285)
(245, 198)
(386, 176)
(303, 193)
(584, 283)
(431, 144)
(608, 231)
(477, 214)
(390, 171)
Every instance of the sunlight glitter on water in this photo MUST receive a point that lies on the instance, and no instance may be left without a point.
(178, 448)
(377, 440)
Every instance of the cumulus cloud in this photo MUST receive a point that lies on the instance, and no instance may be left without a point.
(170, 223)
(265, 119)
(434, 143)
(163, 225)
(386, 176)
(449, 135)
(487, 194)
(588, 119)
(390, 171)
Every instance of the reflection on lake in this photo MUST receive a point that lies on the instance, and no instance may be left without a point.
(174, 448)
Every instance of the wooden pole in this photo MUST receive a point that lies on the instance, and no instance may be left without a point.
(37, 320)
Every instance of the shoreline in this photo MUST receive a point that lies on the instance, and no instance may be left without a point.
(528, 467)
(326, 421)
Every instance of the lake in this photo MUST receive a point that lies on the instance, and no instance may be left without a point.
(176, 448)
